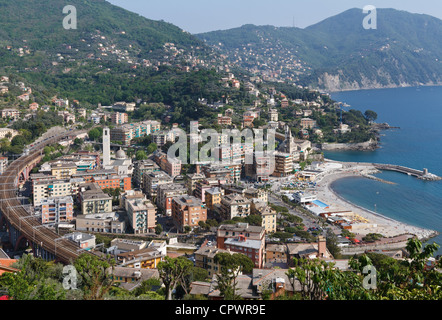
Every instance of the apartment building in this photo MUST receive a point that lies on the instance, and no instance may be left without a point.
(228, 231)
(94, 200)
(63, 170)
(205, 259)
(46, 188)
(153, 180)
(102, 222)
(165, 194)
(172, 166)
(283, 164)
(57, 209)
(141, 214)
(187, 211)
(235, 205)
(213, 197)
(307, 123)
(143, 167)
(120, 118)
(251, 248)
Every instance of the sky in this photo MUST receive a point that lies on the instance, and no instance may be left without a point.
(197, 16)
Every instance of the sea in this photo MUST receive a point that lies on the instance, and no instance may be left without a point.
(417, 111)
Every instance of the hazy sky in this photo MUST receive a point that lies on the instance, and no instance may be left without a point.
(197, 16)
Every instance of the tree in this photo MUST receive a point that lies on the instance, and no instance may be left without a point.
(171, 272)
(18, 141)
(231, 265)
(95, 134)
(94, 275)
(151, 148)
(254, 220)
(370, 115)
(141, 155)
(332, 244)
(158, 229)
(147, 286)
(319, 280)
(36, 280)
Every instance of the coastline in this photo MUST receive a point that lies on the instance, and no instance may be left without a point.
(381, 88)
(378, 223)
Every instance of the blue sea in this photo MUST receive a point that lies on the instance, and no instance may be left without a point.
(417, 144)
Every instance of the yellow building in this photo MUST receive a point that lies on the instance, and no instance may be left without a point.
(63, 170)
(268, 215)
(147, 258)
(213, 197)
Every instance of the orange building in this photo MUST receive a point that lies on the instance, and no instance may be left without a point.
(6, 266)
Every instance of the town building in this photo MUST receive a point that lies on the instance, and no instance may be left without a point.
(224, 120)
(84, 241)
(101, 222)
(227, 231)
(93, 200)
(213, 197)
(205, 259)
(187, 211)
(131, 278)
(57, 210)
(120, 118)
(141, 214)
(172, 166)
(10, 113)
(45, 188)
(251, 248)
(235, 205)
(147, 258)
(283, 164)
(142, 167)
(153, 180)
(307, 123)
(165, 194)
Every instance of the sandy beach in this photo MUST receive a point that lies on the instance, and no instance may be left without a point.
(376, 223)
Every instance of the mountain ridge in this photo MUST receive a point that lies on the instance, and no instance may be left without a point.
(338, 54)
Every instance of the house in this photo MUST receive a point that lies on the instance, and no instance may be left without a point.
(131, 278)
(244, 288)
(205, 258)
(34, 106)
(227, 231)
(316, 250)
(147, 258)
(254, 249)
(6, 266)
(274, 281)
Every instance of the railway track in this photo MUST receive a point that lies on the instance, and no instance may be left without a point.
(30, 227)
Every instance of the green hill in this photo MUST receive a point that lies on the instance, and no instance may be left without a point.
(113, 55)
(338, 53)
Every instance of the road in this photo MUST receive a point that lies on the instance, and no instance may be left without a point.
(308, 221)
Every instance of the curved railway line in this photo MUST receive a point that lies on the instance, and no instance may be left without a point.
(30, 227)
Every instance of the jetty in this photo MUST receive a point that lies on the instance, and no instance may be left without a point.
(423, 175)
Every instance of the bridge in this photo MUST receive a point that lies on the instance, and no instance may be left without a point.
(24, 227)
(424, 174)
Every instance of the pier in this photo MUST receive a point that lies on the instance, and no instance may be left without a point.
(423, 175)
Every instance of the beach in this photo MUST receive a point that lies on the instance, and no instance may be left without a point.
(376, 223)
